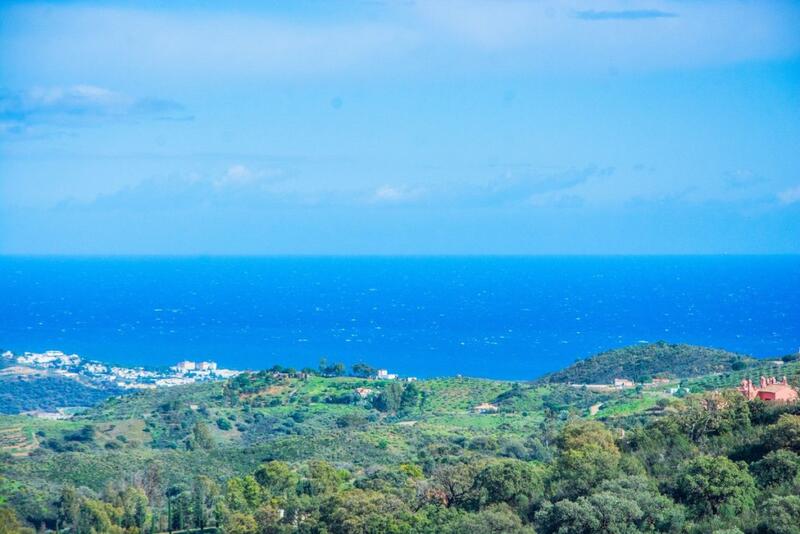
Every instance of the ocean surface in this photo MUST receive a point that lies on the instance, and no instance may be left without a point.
(501, 317)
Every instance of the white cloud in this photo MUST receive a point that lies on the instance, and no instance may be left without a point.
(396, 194)
(70, 104)
(242, 176)
(623, 34)
(236, 175)
(458, 34)
(790, 196)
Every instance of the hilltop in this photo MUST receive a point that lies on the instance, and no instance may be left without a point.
(643, 362)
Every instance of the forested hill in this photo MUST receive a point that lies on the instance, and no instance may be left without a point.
(642, 362)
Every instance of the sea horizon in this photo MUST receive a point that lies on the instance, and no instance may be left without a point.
(506, 317)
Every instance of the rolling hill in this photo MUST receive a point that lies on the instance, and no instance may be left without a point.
(640, 362)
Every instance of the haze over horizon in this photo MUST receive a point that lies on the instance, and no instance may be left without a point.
(249, 128)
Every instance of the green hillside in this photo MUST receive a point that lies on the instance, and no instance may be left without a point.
(48, 392)
(642, 362)
(356, 455)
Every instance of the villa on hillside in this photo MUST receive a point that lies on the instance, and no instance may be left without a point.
(364, 392)
(769, 389)
(383, 374)
(486, 407)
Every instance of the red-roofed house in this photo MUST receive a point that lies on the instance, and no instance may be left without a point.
(769, 389)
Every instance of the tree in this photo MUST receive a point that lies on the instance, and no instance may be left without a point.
(512, 482)
(323, 477)
(496, 519)
(410, 399)
(785, 434)
(363, 370)
(234, 495)
(587, 456)
(337, 369)
(567, 517)
(711, 484)
(68, 507)
(780, 515)
(659, 513)
(361, 512)
(181, 511)
(201, 437)
(268, 519)
(94, 517)
(171, 493)
(220, 513)
(203, 492)
(277, 478)
(776, 468)
(252, 492)
(240, 523)
(9, 522)
(135, 508)
(390, 398)
(85, 434)
(454, 484)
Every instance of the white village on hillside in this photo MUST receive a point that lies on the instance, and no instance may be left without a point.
(73, 366)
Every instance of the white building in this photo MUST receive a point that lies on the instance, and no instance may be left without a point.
(168, 382)
(226, 373)
(384, 374)
(50, 358)
(185, 366)
(207, 366)
(95, 368)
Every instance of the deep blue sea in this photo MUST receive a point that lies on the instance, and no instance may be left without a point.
(503, 317)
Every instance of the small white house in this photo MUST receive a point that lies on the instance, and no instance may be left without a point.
(384, 374)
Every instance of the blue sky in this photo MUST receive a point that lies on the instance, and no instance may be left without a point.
(408, 127)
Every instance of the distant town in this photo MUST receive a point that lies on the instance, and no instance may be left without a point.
(73, 366)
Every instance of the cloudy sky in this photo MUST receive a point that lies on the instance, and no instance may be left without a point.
(400, 127)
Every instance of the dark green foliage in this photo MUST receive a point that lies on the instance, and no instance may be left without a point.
(513, 482)
(363, 370)
(655, 359)
(411, 398)
(780, 515)
(709, 485)
(587, 456)
(85, 434)
(49, 393)
(391, 398)
(785, 434)
(777, 468)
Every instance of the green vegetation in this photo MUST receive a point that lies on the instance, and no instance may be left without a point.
(643, 362)
(280, 451)
(48, 393)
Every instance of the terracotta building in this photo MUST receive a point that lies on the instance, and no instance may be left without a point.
(769, 389)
